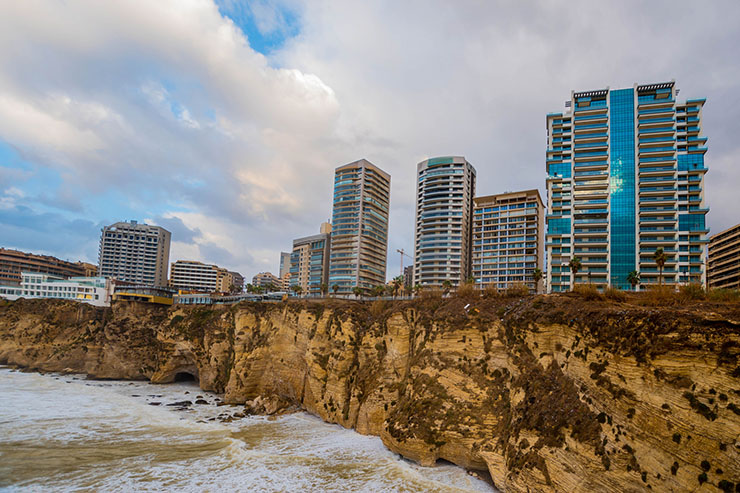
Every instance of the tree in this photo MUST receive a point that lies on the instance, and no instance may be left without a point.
(378, 290)
(447, 286)
(660, 257)
(357, 291)
(408, 290)
(537, 276)
(324, 288)
(270, 287)
(335, 288)
(634, 279)
(397, 285)
(575, 266)
(296, 289)
(418, 289)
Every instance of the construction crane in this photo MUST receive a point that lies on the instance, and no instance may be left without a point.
(402, 252)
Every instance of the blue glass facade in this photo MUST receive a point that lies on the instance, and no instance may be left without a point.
(622, 186)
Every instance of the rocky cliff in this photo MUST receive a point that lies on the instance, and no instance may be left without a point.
(545, 393)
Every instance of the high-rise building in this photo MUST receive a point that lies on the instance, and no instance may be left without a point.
(508, 240)
(445, 188)
(626, 177)
(284, 263)
(309, 262)
(359, 244)
(135, 253)
(13, 262)
(723, 263)
(189, 275)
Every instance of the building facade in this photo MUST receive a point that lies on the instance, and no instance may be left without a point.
(445, 188)
(136, 253)
(408, 276)
(723, 264)
(92, 290)
(237, 281)
(625, 176)
(508, 239)
(267, 281)
(13, 263)
(309, 262)
(359, 244)
(284, 263)
(192, 276)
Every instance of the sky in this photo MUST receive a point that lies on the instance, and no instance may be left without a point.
(223, 121)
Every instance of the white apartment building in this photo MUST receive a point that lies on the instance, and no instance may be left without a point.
(96, 291)
(136, 253)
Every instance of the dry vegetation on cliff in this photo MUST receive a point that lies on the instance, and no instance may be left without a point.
(575, 392)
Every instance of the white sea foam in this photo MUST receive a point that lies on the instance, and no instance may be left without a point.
(65, 433)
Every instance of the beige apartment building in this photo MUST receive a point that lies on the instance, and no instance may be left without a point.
(309, 262)
(189, 275)
(508, 242)
(723, 270)
(267, 279)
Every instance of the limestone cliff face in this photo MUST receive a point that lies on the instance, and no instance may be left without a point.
(545, 393)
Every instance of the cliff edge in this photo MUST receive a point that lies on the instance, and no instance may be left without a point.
(546, 393)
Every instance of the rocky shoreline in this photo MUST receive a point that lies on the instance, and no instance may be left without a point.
(546, 393)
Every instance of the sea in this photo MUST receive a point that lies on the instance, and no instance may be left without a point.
(67, 433)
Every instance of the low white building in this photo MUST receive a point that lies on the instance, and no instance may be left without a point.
(93, 290)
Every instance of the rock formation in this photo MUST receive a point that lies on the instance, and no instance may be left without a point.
(547, 393)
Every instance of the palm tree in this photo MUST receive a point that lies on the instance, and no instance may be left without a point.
(296, 289)
(378, 290)
(357, 290)
(335, 288)
(634, 279)
(408, 290)
(417, 289)
(324, 289)
(447, 286)
(575, 266)
(397, 285)
(660, 257)
(270, 287)
(536, 276)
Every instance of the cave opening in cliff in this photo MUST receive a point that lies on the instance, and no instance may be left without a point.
(184, 376)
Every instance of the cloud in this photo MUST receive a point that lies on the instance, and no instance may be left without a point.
(167, 110)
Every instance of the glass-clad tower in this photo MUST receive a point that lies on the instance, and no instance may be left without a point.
(359, 241)
(445, 188)
(625, 176)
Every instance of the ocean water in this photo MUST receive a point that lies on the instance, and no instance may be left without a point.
(66, 433)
